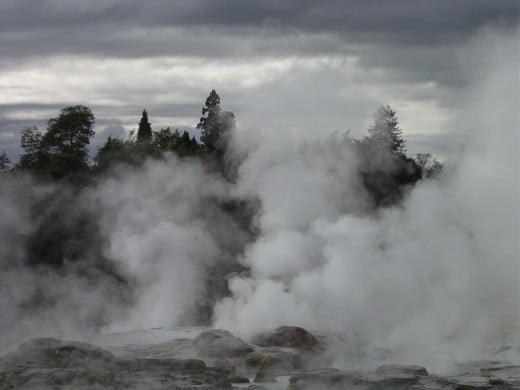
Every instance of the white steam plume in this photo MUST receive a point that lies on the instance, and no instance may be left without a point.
(439, 274)
(162, 230)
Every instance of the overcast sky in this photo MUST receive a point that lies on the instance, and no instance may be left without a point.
(292, 65)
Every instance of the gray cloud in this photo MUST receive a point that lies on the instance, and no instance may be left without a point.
(409, 20)
(399, 47)
(101, 27)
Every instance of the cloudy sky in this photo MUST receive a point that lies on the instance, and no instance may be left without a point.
(294, 65)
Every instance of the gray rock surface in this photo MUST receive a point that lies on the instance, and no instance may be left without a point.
(191, 359)
(331, 380)
(281, 359)
(399, 379)
(287, 336)
(401, 370)
(220, 343)
(53, 364)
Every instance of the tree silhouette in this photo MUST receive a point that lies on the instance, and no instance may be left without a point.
(70, 132)
(216, 125)
(65, 144)
(30, 141)
(144, 132)
(63, 149)
(386, 132)
(5, 163)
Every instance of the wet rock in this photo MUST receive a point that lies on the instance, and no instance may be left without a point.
(501, 375)
(265, 375)
(175, 348)
(48, 352)
(238, 379)
(275, 357)
(219, 343)
(287, 336)
(50, 364)
(469, 382)
(483, 375)
(331, 380)
(401, 370)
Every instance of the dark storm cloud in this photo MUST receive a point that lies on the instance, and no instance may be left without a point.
(420, 21)
(32, 27)
(417, 17)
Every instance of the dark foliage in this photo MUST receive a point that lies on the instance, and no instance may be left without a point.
(144, 132)
(5, 163)
(34, 154)
(430, 166)
(66, 234)
(180, 143)
(70, 133)
(216, 125)
(61, 152)
(147, 144)
(385, 169)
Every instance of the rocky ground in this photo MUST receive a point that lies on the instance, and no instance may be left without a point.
(285, 358)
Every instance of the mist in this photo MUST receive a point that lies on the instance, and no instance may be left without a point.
(163, 227)
(436, 277)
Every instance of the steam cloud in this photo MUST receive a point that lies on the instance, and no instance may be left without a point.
(441, 274)
(162, 229)
(438, 274)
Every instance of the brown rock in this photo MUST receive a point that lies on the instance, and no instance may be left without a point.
(219, 343)
(287, 336)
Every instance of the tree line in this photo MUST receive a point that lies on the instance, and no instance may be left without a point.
(61, 152)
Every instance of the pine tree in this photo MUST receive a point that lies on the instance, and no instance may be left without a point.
(216, 125)
(210, 124)
(144, 132)
(386, 132)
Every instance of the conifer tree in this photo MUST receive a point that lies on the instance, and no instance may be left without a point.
(386, 132)
(144, 132)
(216, 125)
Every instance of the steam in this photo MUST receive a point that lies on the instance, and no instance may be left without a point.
(39, 301)
(160, 223)
(161, 226)
(438, 275)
